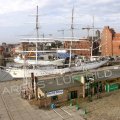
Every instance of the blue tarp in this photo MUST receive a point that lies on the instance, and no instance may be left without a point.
(63, 55)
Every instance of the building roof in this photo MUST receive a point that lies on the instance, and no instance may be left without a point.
(64, 82)
(57, 84)
(106, 73)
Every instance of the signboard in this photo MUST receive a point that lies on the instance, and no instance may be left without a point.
(54, 93)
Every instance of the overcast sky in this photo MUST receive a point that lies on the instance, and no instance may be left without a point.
(16, 16)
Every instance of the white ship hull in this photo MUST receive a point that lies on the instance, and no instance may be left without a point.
(88, 66)
(21, 73)
(58, 62)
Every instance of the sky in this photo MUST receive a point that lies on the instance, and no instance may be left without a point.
(17, 17)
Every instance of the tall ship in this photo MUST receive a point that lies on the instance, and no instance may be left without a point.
(44, 61)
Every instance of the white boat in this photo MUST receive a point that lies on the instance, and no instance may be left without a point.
(22, 72)
(57, 62)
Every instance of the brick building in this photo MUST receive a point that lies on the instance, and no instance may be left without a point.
(1, 56)
(84, 44)
(58, 90)
(110, 42)
(81, 44)
(8, 49)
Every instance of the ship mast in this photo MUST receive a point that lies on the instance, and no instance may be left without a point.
(72, 33)
(91, 55)
(37, 24)
(37, 33)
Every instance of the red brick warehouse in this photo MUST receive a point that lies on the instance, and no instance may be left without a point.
(81, 44)
(110, 42)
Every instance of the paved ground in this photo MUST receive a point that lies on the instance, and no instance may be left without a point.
(12, 107)
(105, 108)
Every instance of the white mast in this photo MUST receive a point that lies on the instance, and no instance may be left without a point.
(72, 32)
(37, 33)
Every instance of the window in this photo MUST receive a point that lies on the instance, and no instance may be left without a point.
(54, 98)
(73, 94)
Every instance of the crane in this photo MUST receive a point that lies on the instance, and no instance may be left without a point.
(88, 28)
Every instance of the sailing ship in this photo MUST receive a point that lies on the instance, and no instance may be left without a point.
(25, 71)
